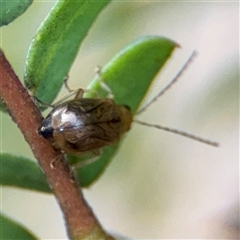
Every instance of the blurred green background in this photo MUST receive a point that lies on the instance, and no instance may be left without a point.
(159, 185)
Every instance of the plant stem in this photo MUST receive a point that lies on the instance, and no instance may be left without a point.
(80, 220)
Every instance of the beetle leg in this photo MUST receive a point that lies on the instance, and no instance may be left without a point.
(66, 84)
(74, 92)
(55, 160)
(41, 103)
(79, 93)
(85, 162)
(102, 83)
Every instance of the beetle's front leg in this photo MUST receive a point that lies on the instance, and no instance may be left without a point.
(79, 93)
(98, 71)
(41, 103)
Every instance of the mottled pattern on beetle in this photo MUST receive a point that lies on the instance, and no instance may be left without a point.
(95, 110)
(82, 125)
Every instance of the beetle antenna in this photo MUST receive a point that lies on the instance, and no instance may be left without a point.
(184, 134)
(185, 66)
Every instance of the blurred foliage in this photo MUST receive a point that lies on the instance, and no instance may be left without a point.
(10, 229)
(21, 172)
(10, 10)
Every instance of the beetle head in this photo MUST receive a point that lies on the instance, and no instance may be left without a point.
(46, 129)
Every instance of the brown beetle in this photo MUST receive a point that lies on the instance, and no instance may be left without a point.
(86, 124)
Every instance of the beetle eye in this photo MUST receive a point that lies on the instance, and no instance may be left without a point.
(46, 129)
(45, 132)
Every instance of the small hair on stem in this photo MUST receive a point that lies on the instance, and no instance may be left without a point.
(184, 134)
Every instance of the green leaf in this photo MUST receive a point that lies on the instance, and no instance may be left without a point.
(10, 10)
(16, 171)
(129, 75)
(10, 229)
(56, 44)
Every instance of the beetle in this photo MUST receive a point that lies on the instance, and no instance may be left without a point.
(83, 125)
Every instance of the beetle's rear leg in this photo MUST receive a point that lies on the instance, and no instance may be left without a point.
(92, 158)
(85, 162)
